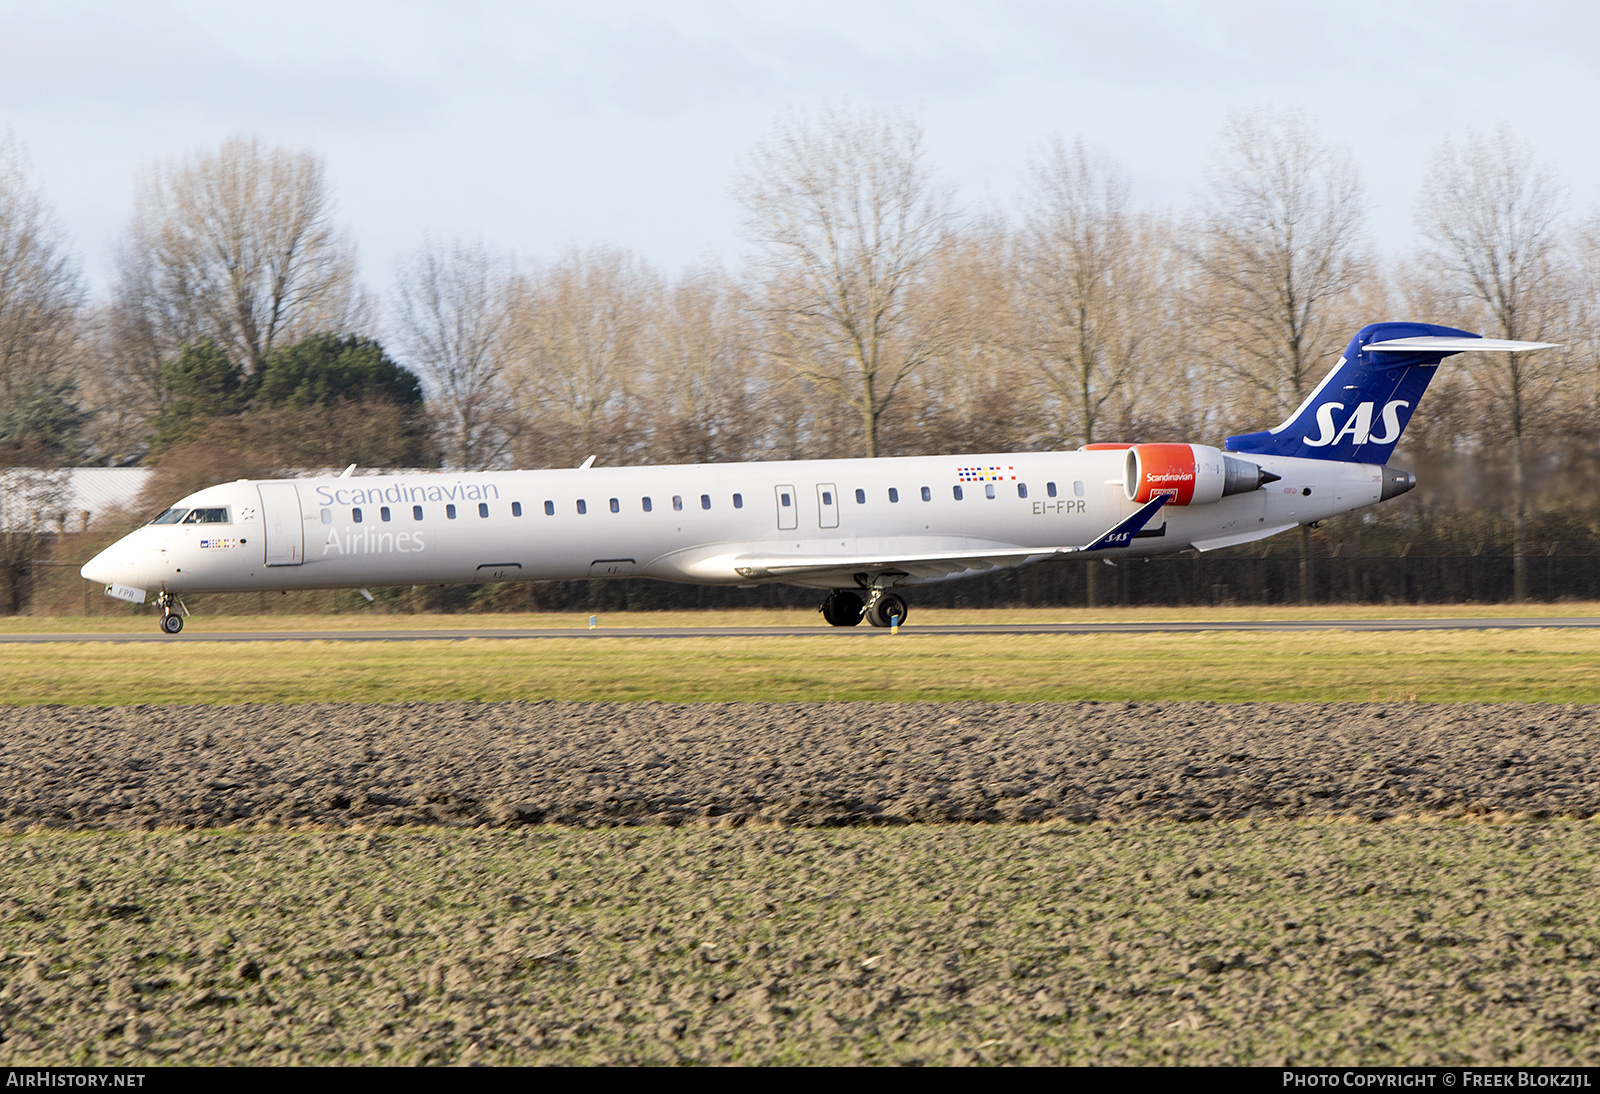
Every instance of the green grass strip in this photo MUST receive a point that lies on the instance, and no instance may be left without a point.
(1472, 666)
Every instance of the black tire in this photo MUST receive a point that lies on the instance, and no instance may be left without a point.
(172, 624)
(842, 608)
(890, 606)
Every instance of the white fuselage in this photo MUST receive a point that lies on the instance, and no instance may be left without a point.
(693, 523)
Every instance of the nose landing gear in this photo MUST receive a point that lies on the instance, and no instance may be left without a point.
(171, 618)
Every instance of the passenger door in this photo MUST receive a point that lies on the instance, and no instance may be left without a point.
(280, 518)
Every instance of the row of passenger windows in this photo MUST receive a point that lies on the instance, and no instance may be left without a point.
(387, 514)
(989, 491)
(615, 504)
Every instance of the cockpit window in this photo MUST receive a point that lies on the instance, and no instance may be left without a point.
(171, 516)
(206, 516)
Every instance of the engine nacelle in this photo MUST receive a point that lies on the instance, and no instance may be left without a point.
(1193, 474)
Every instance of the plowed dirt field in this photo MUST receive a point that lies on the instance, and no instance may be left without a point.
(345, 765)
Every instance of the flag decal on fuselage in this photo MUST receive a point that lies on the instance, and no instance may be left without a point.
(985, 474)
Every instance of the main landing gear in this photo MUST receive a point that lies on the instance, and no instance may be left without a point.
(171, 617)
(845, 608)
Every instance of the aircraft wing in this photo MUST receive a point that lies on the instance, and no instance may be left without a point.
(938, 563)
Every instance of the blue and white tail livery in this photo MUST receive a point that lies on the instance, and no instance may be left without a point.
(1358, 412)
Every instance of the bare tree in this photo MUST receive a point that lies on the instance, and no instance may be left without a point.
(40, 298)
(968, 397)
(1282, 246)
(1282, 240)
(451, 305)
(239, 246)
(1081, 288)
(1582, 342)
(578, 332)
(1491, 218)
(848, 225)
(119, 396)
(32, 504)
(699, 388)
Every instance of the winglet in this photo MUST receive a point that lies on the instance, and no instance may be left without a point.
(347, 472)
(586, 464)
(1123, 533)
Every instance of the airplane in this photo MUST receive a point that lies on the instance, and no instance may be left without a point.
(864, 530)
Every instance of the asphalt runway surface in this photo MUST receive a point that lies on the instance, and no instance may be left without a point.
(198, 633)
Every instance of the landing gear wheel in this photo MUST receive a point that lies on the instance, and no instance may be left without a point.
(887, 608)
(842, 608)
(172, 624)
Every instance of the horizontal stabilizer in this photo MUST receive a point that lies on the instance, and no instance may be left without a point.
(1456, 345)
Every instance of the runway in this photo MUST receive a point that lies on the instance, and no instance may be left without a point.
(197, 632)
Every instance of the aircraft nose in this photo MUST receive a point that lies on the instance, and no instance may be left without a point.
(109, 565)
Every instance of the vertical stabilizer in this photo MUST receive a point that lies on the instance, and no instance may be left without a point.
(1361, 407)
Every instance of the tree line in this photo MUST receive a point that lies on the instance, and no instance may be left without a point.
(870, 315)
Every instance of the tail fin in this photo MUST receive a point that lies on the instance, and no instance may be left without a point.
(1361, 407)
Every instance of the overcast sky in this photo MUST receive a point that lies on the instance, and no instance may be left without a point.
(539, 127)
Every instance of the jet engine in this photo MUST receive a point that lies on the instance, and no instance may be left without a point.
(1194, 474)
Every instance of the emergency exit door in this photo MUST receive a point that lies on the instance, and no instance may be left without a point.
(827, 505)
(788, 508)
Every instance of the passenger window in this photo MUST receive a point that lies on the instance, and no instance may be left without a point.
(1050, 488)
(483, 509)
(327, 516)
(861, 496)
(1077, 488)
(927, 495)
(894, 495)
(583, 507)
(355, 515)
(1022, 489)
(450, 512)
(677, 502)
(549, 508)
(616, 506)
(958, 493)
(738, 501)
(383, 514)
(705, 501)
(646, 503)
(416, 512)
(988, 490)
(516, 508)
